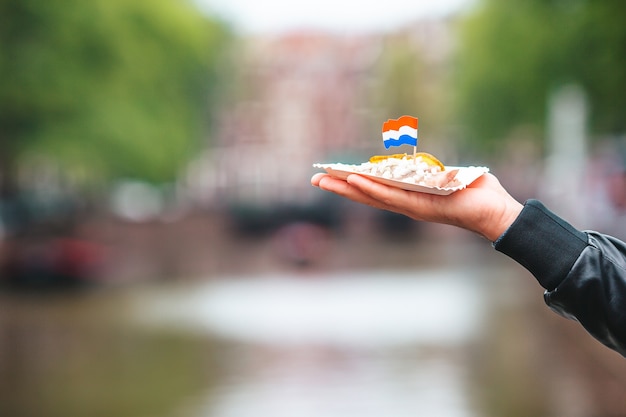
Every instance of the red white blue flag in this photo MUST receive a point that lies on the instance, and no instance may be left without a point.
(402, 131)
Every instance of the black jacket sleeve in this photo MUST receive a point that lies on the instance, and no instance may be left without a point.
(583, 272)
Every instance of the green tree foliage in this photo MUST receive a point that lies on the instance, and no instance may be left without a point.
(400, 70)
(407, 84)
(514, 53)
(109, 87)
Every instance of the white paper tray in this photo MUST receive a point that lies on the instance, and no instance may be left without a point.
(466, 176)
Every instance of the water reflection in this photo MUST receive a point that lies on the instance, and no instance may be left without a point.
(357, 344)
(73, 355)
(350, 309)
(319, 382)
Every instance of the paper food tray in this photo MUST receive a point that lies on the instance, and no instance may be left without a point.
(465, 176)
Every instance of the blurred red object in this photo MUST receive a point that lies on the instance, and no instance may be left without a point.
(301, 243)
(51, 263)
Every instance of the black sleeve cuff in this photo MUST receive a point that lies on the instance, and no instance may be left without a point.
(543, 243)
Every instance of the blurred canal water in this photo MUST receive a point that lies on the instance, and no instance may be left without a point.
(350, 344)
(349, 309)
(446, 341)
(326, 344)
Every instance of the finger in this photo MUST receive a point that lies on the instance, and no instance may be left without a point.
(389, 196)
(315, 179)
(342, 188)
(417, 205)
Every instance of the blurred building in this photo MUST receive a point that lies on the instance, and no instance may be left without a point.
(302, 102)
(300, 98)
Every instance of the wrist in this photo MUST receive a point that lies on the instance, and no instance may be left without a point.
(504, 220)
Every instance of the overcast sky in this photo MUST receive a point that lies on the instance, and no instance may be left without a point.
(347, 16)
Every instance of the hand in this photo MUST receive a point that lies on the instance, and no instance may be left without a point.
(484, 207)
